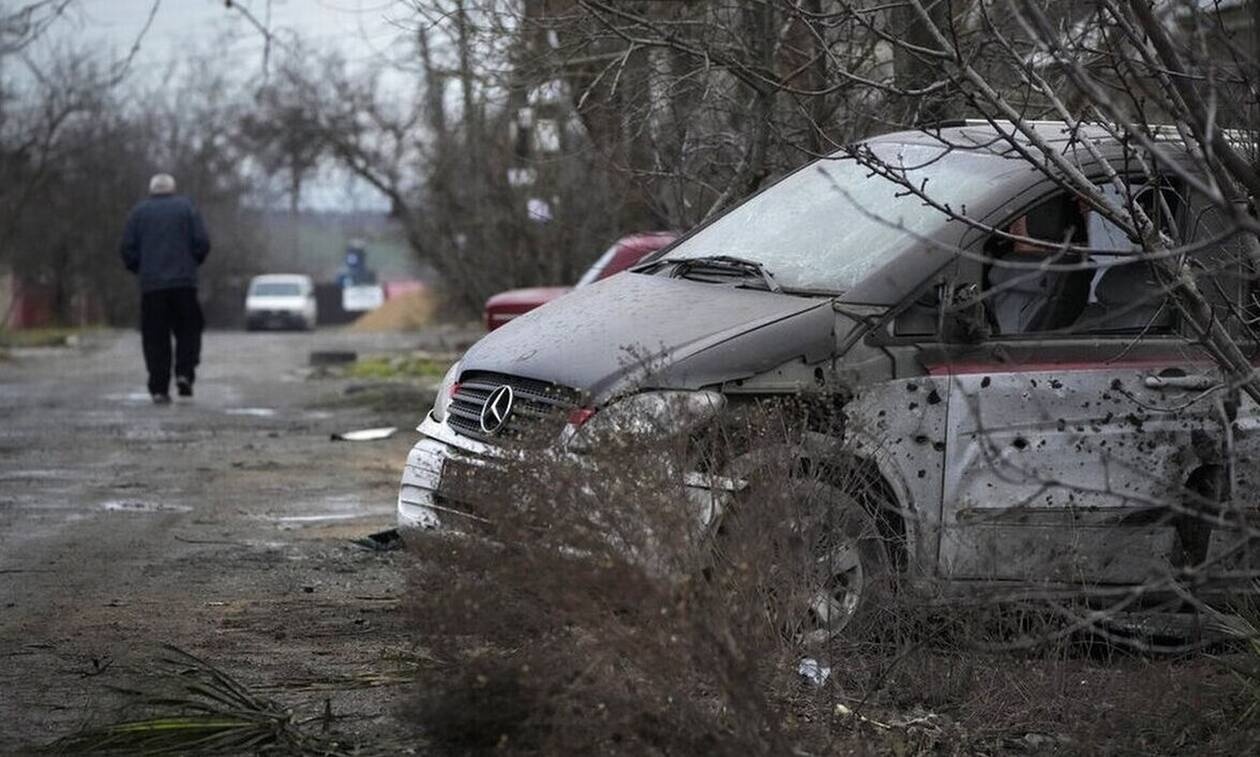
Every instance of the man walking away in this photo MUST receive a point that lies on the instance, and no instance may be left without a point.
(163, 243)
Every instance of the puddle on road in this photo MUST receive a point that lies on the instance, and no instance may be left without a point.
(316, 518)
(39, 474)
(256, 412)
(140, 506)
(128, 397)
(331, 509)
(156, 434)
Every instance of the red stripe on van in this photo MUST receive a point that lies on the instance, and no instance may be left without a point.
(965, 368)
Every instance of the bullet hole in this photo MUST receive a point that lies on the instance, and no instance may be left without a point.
(1116, 385)
(1020, 443)
(984, 382)
(1062, 424)
(922, 473)
(882, 413)
(912, 387)
(1107, 418)
(914, 405)
(818, 377)
(934, 398)
(920, 439)
(938, 446)
(1106, 396)
(1056, 384)
(1033, 382)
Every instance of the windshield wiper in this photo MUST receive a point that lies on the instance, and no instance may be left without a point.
(724, 262)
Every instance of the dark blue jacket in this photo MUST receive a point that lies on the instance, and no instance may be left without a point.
(164, 242)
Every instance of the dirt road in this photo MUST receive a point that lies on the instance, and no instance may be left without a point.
(220, 525)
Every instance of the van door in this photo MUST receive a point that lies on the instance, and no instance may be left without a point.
(1226, 275)
(1065, 462)
(1074, 427)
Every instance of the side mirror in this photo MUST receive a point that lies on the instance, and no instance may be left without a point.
(963, 318)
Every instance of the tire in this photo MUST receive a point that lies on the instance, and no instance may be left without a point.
(831, 576)
(850, 584)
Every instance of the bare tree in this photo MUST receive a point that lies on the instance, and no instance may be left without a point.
(78, 153)
(26, 22)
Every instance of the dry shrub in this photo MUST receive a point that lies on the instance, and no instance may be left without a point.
(590, 608)
(597, 610)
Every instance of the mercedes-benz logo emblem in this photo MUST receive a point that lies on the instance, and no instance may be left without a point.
(494, 414)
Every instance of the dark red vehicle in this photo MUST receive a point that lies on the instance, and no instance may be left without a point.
(624, 253)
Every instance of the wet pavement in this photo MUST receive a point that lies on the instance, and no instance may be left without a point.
(222, 525)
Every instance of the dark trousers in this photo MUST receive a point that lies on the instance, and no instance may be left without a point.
(164, 314)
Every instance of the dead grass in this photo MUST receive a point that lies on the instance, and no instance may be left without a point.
(187, 706)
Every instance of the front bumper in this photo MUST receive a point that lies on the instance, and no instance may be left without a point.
(275, 319)
(423, 504)
(420, 501)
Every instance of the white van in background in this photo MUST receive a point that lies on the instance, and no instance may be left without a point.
(280, 300)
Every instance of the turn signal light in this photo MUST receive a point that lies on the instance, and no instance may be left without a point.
(580, 415)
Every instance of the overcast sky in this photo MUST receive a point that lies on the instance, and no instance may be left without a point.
(360, 29)
(364, 31)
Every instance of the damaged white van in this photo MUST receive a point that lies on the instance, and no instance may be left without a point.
(1030, 406)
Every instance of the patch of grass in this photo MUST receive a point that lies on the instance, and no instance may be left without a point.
(385, 397)
(44, 337)
(385, 367)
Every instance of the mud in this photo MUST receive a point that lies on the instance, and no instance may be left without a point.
(209, 524)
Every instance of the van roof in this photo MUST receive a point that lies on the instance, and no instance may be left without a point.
(981, 133)
(281, 278)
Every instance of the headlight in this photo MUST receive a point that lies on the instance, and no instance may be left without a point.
(656, 414)
(446, 390)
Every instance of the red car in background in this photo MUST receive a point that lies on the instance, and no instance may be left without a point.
(624, 253)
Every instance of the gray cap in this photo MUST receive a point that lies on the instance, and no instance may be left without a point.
(162, 184)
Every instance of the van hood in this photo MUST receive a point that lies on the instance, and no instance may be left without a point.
(637, 331)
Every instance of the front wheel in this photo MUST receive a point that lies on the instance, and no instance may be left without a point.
(845, 582)
(826, 567)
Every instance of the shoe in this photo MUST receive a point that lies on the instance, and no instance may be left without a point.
(184, 385)
(161, 399)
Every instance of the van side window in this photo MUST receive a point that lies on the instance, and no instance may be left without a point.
(1023, 296)
(1108, 290)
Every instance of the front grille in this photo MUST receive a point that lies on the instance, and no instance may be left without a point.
(538, 412)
